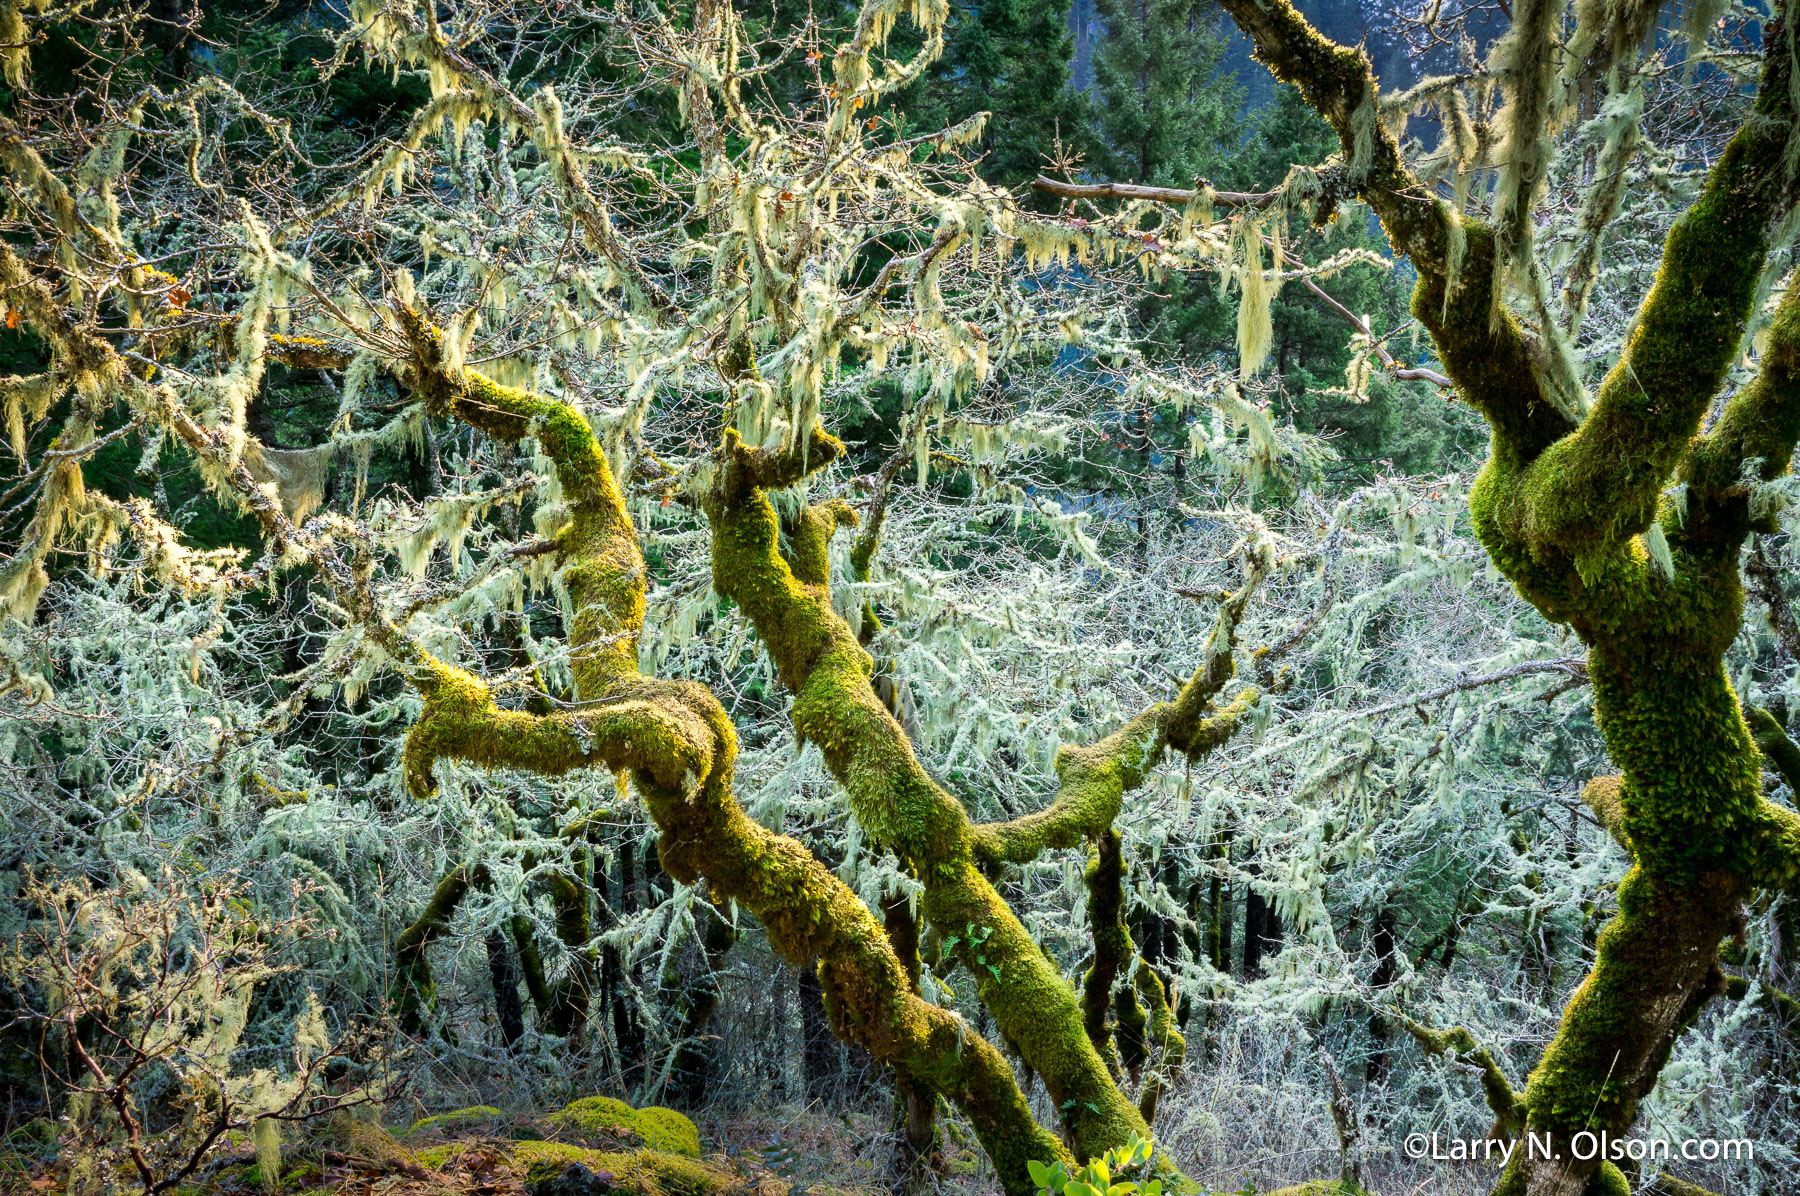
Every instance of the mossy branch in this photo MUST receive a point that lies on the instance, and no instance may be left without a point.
(1598, 487)
(1756, 433)
(819, 658)
(1162, 1034)
(1093, 780)
(1768, 841)
(413, 992)
(1772, 740)
(1507, 1106)
(809, 540)
(1667, 1185)
(1773, 851)
(1105, 879)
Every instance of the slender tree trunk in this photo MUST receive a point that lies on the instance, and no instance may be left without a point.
(509, 1011)
(1255, 925)
(1386, 971)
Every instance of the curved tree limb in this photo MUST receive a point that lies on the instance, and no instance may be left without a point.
(1112, 942)
(680, 746)
(902, 807)
(1784, 1008)
(1507, 1105)
(1093, 780)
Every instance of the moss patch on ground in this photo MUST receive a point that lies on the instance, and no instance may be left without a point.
(658, 1128)
(458, 1119)
(646, 1172)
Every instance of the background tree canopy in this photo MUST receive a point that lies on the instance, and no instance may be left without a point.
(685, 598)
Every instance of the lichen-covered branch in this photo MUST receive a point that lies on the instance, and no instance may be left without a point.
(413, 992)
(1093, 780)
(681, 747)
(1508, 1109)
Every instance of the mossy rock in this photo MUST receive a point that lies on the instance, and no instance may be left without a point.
(561, 1169)
(609, 1120)
(459, 1119)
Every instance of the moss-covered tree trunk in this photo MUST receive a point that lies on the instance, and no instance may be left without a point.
(680, 748)
(1571, 510)
(836, 707)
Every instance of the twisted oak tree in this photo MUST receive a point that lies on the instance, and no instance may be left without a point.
(759, 277)
(1624, 519)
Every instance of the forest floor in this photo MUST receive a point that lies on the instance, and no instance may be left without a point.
(592, 1147)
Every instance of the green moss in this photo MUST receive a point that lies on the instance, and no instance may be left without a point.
(1609, 1181)
(646, 1172)
(657, 1127)
(305, 1175)
(458, 1118)
(434, 1158)
(665, 1129)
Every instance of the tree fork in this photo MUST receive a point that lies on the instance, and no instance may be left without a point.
(414, 992)
(680, 747)
(835, 707)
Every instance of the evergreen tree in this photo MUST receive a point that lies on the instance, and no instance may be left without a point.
(1165, 113)
(1009, 58)
(1402, 424)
